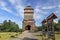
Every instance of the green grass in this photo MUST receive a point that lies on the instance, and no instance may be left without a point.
(7, 35)
(57, 36)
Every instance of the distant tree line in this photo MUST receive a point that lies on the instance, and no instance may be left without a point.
(56, 26)
(9, 26)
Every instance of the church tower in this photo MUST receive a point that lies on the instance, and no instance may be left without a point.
(28, 22)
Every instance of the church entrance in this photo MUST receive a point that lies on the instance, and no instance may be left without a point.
(28, 27)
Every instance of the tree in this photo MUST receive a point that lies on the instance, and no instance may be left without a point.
(9, 26)
(4, 25)
(0, 27)
(58, 25)
(39, 28)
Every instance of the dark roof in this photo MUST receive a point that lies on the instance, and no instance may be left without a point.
(52, 16)
(28, 8)
(44, 21)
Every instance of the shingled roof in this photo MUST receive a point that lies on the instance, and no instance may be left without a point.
(51, 16)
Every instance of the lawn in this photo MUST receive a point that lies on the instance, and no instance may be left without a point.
(57, 37)
(8, 35)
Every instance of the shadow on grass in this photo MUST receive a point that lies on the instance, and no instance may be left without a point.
(29, 38)
(38, 35)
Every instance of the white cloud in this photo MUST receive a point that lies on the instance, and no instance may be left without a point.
(59, 6)
(38, 16)
(20, 24)
(12, 1)
(55, 21)
(38, 9)
(3, 17)
(20, 10)
(38, 13)
(2, 4)
(3, 7)
(6, 9)
(16, 2)
(18, 7)
(48, 7)
(57, 12)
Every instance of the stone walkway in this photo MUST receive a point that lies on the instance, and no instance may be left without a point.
(26, 36)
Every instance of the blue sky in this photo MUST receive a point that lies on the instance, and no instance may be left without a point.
(14, 10)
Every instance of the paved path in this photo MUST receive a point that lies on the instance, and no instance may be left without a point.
(26, 36)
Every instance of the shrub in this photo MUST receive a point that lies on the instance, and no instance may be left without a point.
(0, 36)
(57, 32)
(12, 36)
(16, 34)
(40, 34)
(9, 34)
